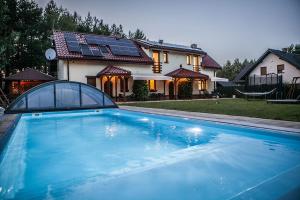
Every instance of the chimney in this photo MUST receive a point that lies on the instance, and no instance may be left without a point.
(160, 41)
(194, 46)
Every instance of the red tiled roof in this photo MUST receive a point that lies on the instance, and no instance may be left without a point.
(209, 62)
(63, 53)
(186, 73)
(114, 71)
(30, 74)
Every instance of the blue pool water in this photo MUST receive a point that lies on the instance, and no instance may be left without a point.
(117, 154)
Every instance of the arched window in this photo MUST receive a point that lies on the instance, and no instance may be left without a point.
(60, 95)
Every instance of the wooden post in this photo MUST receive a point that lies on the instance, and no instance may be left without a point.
(109, 89)
(164, 88)
(116, 88)
(101, 83)
(175, 92)
(124, 88)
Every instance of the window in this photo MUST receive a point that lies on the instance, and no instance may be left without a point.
(122, 84)
(196, 66)
(152, 85)
(202, 85)
(166, 57)
(188, 59)
(263, 71)
(156, 59)
(280, 69)
(91, 81)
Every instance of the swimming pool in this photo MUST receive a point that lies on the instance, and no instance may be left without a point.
(118, 154)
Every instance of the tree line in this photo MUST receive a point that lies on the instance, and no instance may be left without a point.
(26, 29)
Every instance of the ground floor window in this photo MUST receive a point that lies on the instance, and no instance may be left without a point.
(152, 85)
(91, 81)
(202, 85)
(122, 84)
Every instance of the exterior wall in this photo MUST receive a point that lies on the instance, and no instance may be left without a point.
(271, 61)
(78, 70)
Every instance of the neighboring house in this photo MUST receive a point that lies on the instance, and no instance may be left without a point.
(112, 64)
(272, 62)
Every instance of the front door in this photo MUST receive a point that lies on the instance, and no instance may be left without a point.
(108, 87)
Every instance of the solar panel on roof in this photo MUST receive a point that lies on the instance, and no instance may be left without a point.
(97, 53)
(124, 51)
(103, 49)
(73, 46)
(85, 50)
(70, 37)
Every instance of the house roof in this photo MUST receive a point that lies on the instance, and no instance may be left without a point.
(186, 73)
(209, 62)
(291, 58)
(63, 52)
(169, 46)
(114, 71)
(30, 74)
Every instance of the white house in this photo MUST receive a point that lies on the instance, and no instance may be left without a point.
(112, 64)
(273, 62)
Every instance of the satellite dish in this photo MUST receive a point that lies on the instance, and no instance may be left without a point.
(50, 54)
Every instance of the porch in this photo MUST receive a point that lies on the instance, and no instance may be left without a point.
(118, 83)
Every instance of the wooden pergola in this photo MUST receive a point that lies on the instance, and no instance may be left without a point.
(111, 71)
(183, 73)
(24, 80)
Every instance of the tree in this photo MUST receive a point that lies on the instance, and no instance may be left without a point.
(292, 49)
(231, 70)
(138, 34)
(140, 89)
(26, 29)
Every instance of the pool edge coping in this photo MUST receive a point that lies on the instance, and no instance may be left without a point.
(7, 125)
(225, 119)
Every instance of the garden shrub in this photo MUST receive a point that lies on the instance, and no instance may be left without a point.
(140, 90)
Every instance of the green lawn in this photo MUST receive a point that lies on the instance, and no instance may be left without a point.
(240, 107)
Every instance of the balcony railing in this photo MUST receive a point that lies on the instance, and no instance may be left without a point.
(196, 68)
(156, 68)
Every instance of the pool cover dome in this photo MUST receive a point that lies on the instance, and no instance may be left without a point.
(60, 95)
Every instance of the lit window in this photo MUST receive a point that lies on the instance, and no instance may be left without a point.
(188, 59)
(166, 57)
(280, 69)
(152, 85)
(202, 85)
(196, 64)
(263, 71)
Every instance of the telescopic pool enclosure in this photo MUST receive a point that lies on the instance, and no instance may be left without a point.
(60, 95)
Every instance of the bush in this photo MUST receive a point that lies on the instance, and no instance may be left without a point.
(185, 90)
(140, 90)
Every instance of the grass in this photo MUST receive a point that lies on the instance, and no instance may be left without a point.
(238, 107)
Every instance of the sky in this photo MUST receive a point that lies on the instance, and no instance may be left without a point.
(224, 29)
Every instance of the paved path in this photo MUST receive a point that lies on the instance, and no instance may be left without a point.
(239, 120)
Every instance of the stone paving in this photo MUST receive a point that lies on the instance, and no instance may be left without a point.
(293, 127)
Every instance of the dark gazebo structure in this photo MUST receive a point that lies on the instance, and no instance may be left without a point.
(183, 73)
(111, 72)
(24, 80)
